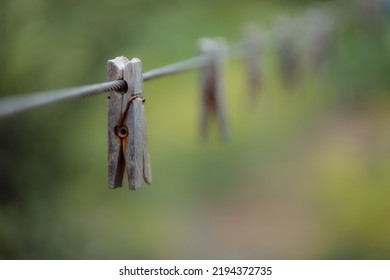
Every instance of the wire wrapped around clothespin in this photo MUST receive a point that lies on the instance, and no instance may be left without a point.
(252, 46)
(127, 136)
(212, 100)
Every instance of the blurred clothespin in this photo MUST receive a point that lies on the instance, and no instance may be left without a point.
(285, 33)
(320, 26)
(127, 136)
(372, 15)
(212, 103)
(252, 46)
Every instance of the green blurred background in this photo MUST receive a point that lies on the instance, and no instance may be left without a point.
(304, 176)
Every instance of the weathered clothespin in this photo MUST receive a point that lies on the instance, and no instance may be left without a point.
(252, 46)
(127, 136)
(372, 15)
(212, 102)
(320, 26)
(289, 57)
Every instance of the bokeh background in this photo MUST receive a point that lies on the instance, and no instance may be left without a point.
(305, 174)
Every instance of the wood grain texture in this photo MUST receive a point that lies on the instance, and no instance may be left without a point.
(136, 148)
(133, 143)
(116, 160)
(133, 149)
(127, 135)
(147, 166)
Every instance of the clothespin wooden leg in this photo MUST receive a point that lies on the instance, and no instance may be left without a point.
(220, 56)
(252, 41)
(320, 27)
(288, 52)
(212, 103)
(147, 167)
(207, 99)
(116, 160)
(136, 150)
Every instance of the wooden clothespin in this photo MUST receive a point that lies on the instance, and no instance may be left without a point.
(252, 46)
(320, 25)
(289, 57)
(372, 16)
(212, 103)
(127, 136)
